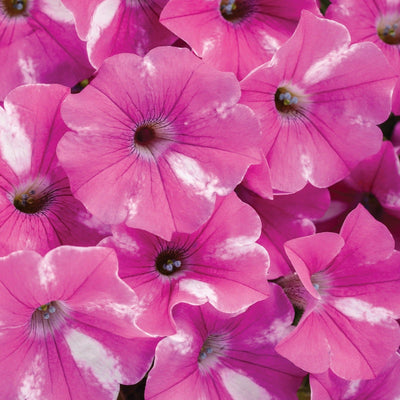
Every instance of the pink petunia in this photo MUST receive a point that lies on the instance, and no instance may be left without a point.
(319, 100)
(235, 35)
(155, 147)
(375, 183)
(373, 21)
(386, 385)
(37, 209)
(347, 286)
(283, 218)
(39, 44)
(224, 356)
(119, 26)
(67, 326)
(219, 263)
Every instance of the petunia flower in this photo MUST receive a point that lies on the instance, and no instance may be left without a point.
(373, 21)
(119, 26)
(283, 218)
(67, 326)
(223, 356)
(37, 209)
(39, 44)
(386, 385)
(219, 263)
(347, 286)
(319, 100)
(156, 146)
(235, 35)
(375, 183)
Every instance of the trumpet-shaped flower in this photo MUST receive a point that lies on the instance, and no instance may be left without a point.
(235, 35)
(219, 263)
(153, 149)
(37, 209)
(347, 286)
(373, 21)
(386, 385)
(39, 44)
(225, 356)
(119, 26)
(319, 100)
(375, 183)
(283, 218)
(67, 326)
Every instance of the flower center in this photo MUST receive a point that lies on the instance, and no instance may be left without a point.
(235, 10)
(32, 200)
(47, 318)
(389, 32)
(144, 135)
(15, 8)
(214, 347)
(285, 101)
(371, 203)
(170, 261)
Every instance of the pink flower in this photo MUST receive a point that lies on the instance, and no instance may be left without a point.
(37, 209)
(375, 183)
(154, 148)
(222, 356)
(38, 43)
(283, 218)
(219, 263)
(386, 385)
(347, 285)
(376, 22)
(235, 35)
(318, 101)
(119, 26)
(67, 326)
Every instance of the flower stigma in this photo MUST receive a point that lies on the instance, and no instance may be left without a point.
(32, 200)
(48, 318)
(214, 347)
(169, 261)
(286, 102)
(235, 10)
(15, 8)
(388, 31)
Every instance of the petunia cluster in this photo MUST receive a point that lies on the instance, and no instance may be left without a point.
(199, 200)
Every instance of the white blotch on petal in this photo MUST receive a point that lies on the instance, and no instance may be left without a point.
(323, 68)
(91, 356)
(34, 381)
(46, 273)
(234, 247)
(117, 310)
(191, 174)
(307, 166)
(27, 69)
(56, 10)
(363, 311)
(208, 46)
(126, 242)
(148, 69)
(132, 207)
(101, 20)
(268, 42)
(199, 289)
(279, 329)
(392, 199)
(242, 387)
(16, 147)
(181, 343)
(351, 390)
